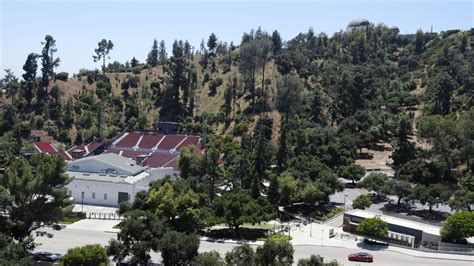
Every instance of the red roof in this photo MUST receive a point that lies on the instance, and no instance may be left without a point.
(170, 142)
(45, 147)
(129, 140)
(149, 141)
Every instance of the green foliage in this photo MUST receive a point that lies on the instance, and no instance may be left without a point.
(374, 227)
(316, 260)
(102, 51)
(374, 182)
(86, 255)
(287, 188)
(238, 207)
(352, 172)
(458, 226)
(431, 194)
(241, 255)
(15, 253)
(276, 238)
(400, 188)
(140, 233)
(189, 162)
(211, 258)
(35, 194)
(362, 202)
(63, 76)
(178, 248)
(271, 253)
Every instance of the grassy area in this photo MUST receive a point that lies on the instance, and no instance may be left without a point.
(330, 214)
(276, 237)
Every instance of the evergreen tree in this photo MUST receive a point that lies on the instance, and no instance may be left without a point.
(212, 44)
(152, 58)
(277, 42)
(162, 55)
(48, 63)
(29, 86)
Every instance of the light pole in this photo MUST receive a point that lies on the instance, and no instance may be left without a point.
(82, 201)
(345, 196)
(310, 227)
(322, 234)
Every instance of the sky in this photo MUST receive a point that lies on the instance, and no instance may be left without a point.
(78, 25)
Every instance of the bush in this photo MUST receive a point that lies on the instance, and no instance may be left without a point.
(362, 202)
(62, 76)
(374, 227)
(274, 253)
(458, 226)
(86, 255)
(276, 238)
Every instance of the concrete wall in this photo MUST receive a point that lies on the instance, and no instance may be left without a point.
(77, 186)
(433, 239)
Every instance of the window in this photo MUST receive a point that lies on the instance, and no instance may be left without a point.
(93, 195)
(105, 196)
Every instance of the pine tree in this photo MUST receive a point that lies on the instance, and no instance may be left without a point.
(152, 58)
(102, 52)
(29, 86)
(49, 63)
(162, 55)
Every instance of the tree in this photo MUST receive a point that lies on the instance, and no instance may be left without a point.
(140, 233)
(431, 194)
(29, 86)
(212, 44)
(238, 207)
(253, 56)
(440, 87)
(287, 188)
(189, 162)
(8, 150)
(400, 188)
(162, 56)
(178, 248)
(277, 43)
(458, 226)
(463, 198)
(316, 260)
(14, 253)
(152, 58)
(419, 41)
(86, 255)
(36, 194)
(102, 52)
(352, 172)
(362, 202)
(48, 63)
(373, 227)
(375, 182)
(210, 258)
(289, 96)
(240, 255)
(274, 253)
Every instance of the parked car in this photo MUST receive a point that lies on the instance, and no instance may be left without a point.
(361, 256)
(46, 256)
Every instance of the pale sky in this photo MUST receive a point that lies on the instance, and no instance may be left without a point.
(78, 26)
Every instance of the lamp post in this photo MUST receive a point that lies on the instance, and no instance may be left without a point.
(322, 233)
(345, 196)
(82, 201)
(310, 227)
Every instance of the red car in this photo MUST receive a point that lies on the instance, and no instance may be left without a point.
(361, 256)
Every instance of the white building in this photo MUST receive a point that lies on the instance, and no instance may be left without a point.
(109, 179)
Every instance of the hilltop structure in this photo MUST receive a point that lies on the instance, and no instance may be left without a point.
(357, 23)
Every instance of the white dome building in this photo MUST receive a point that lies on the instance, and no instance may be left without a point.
(357, 23)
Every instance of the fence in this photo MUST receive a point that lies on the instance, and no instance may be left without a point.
(103, 216)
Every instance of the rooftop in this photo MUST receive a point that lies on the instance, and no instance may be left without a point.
(108, 177)
(116, 161)
(430, 229)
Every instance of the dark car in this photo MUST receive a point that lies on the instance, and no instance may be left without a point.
(361, 256)
(46, 256)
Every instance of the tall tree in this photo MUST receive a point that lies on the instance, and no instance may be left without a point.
(212, 44)
(162, 55)
(152, 58)
(277, 43)
(48, 63)
(102, 52)
(29, 86)
(36, 192)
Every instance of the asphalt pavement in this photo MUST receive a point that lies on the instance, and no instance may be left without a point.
(73, 237)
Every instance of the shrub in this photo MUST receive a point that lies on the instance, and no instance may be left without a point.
(62, 76)
(361, 202)
(374, 227)
(86, 255)
(458, 226)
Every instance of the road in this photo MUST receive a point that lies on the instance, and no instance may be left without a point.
(69, 238)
